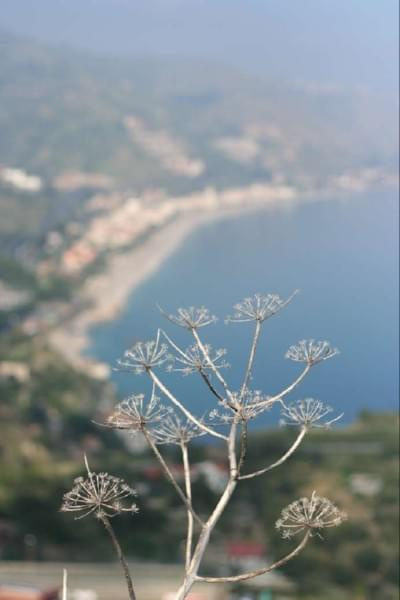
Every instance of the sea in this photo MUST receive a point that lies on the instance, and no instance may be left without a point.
(341, 253)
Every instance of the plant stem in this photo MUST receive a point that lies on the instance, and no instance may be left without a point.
(120, 555)
(188, 487)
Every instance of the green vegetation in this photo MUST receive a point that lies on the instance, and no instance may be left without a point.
(356, 467)
(47, 425)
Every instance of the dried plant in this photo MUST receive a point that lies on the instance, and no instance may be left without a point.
(171, 422)
(135, 413)
(309, 515)
(311, 352)
(104, 496)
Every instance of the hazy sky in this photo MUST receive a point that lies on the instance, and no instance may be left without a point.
(325, 41)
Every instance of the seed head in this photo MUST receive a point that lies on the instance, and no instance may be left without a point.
(258, 308)
(134, 413)
(173, 430)
(309, 514)
(311, 352)
(192, 360)
(144, 355)
(242, 406)
(307, 413)
(100, 494)
(192, 317)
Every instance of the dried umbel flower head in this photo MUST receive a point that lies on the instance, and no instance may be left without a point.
(192, 360)
(100, 494)
(307, 413)
(311, 352)
(258, 308)
(144, 355)
(134, 413)
(309, 514)
(192, 317)
(242, 406)
(174, 430)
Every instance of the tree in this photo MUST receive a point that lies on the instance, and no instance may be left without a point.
(105, 496)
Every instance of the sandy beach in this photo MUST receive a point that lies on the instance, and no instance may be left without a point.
(106, 293)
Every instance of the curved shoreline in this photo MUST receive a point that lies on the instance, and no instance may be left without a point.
(105, 294)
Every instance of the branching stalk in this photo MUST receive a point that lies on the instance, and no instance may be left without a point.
(101, 494)
(188, 488)
(170, 477)
(185, 411)
(250, 363)
(191, 572)
(251, 574)
(214, 369)
(211, 387)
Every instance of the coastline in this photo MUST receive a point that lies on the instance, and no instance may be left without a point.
(105, 294)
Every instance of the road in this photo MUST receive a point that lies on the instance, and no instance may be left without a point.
(104, 582)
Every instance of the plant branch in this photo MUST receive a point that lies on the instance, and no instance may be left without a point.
(257, 572)
(120, 555)
(191, 573)
(287, 390)
(211, 387)
(185, 411)
(170, 476)
(251, 357)
(212, 365)
(283, 458)
(188, 488)
(244, 427)
(243, 447)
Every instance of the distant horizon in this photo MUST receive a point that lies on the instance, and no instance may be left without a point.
(347, 44)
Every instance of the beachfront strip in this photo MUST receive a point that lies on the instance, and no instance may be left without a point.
(116, 221)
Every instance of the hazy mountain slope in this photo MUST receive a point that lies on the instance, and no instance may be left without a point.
(62, 110)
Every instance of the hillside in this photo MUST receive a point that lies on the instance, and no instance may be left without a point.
(192, 123)
(46, 414)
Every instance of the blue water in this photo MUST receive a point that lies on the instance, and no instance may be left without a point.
(342, 254)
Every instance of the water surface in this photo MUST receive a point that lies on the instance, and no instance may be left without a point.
(341, 254)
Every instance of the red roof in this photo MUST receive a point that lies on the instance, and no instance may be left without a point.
(245, 549)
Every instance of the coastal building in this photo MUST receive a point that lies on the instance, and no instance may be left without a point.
(20, 180)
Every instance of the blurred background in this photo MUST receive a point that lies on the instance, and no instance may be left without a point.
(191, 152)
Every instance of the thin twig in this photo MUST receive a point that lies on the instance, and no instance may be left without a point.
(243, 447)
(292, 448)
(170, 476)
(244, 429)
(211, 387)
(120, 554)
(251, 357)
(212, 365)
(201, 371)
(257, 572)
(287, 390)
(185, 411)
